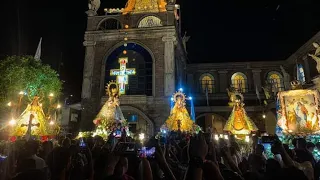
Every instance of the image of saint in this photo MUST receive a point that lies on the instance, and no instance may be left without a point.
(33, 113)
(292, 121)
(179, 118)
(302, 114)
(239, 122)
(110, 112)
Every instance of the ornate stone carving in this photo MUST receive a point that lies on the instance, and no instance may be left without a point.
(315, 55)
(150, 21)
(93, 6)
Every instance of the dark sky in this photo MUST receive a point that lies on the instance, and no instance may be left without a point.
(220, 30)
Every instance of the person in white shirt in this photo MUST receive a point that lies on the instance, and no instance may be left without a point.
(33, 147)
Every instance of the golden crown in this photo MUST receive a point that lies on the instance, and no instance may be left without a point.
(177, 94)
(109, 85)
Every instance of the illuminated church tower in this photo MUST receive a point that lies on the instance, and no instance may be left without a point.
(138, 46)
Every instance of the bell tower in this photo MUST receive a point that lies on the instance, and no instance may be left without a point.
(145, 33)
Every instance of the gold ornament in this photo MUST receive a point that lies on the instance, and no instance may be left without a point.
(179, 94)
(112, 88)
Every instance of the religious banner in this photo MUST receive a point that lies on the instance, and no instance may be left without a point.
(298, 111)
(122, 74)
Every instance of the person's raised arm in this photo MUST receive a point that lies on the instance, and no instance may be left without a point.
(145, 170)
(163, 163)
(228, 158)
(278, 147)
(198, 149)
(211, 171)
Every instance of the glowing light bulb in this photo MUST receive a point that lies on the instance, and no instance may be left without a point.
(164, 131)
(51, 95)
(247, 139)
(51, 123)
(126, 39)
(216, 137)
(181, 89)
(126, 26)
(226, 137)
(9, 104)
(124, 52)
(12, 122)
(141, 136)
(263, 116)
(58, 106)
(190, 98)
(21, 92)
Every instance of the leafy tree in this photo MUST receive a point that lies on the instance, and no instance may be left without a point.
(24, 73)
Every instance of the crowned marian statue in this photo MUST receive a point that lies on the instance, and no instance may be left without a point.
(238, 122)
(32, 119)
(110, 114)
(179, 119)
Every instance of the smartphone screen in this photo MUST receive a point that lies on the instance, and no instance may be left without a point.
(118, 134)
(267, 139)
(147, 152)
(125, 148)
(82, 143)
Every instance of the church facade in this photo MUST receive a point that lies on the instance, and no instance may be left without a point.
(150, 49)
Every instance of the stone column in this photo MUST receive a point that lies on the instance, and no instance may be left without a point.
(256, 79)
(87, 101)
(224, 82)
(88, 69)
(169, 65)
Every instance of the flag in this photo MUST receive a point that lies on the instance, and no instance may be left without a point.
(37, 56)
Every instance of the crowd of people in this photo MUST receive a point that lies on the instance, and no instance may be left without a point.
(176, 157)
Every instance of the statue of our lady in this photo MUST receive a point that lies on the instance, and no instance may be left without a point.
(239, 122)
(38, 122)
(179, 119)
(110, 114)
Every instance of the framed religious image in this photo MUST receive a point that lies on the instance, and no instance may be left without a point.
(299, 111)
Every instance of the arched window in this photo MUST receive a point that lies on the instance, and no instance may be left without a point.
(239, 82)
(276, 80)
(300, 74)
(110, 24)
(207, 83)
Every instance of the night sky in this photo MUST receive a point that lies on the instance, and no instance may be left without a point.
(220, 30)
